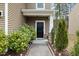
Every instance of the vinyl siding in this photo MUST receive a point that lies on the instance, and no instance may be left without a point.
(33, 6)
(2, 19)
(15, 17)
(73, 26)
(31, 21)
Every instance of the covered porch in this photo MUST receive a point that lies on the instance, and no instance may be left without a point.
(41, 20)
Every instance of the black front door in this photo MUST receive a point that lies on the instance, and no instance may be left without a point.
(40, 26)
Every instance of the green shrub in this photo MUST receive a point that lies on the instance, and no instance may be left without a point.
(61, 40)
(77, 33)
(20, 39)
(75, 50)
(3, 43)
(31, 31)
(52, 35)
(17, 41)
(26, 32)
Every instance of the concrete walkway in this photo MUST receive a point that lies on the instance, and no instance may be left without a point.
(39, 48)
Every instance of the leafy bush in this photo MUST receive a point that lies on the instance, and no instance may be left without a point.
(77, 33)
(20, 39)
(26, 32)
(75, 50)
(3, 43)
(61, 40)
(17, 41)
(31, 31)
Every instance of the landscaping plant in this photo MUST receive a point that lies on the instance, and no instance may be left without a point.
(3, 43)
(30, 30)
(61, 40)
(33, 33)
(52, 35)
(19, 40)
(26, 32)
(75, 50)
(77, 33)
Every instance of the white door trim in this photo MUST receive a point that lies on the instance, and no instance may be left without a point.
(36, 27)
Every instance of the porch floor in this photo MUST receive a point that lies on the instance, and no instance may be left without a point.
(39, 48)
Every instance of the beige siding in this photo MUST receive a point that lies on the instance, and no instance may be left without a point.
(48, 5)
(31, 21)
(2, 19)
(74, 20)
(15, 16)
(30, 6)
(73, 25)
(33, 5)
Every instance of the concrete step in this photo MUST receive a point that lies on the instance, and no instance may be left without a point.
(42, 41)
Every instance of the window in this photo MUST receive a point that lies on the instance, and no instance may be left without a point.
(40, 6)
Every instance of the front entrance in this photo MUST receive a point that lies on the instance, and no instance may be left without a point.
(40, 25)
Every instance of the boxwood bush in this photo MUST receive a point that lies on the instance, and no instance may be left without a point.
(3, 42)
(19, 40)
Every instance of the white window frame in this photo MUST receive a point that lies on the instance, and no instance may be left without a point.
(36, 27)
(40, 8)
(1, 13)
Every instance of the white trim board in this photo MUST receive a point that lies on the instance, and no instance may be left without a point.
(6, 18)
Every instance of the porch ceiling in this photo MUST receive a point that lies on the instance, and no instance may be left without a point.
(34, 12)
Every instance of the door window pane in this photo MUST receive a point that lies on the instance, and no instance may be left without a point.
(40, 30)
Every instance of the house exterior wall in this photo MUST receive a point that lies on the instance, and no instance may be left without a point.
(33, 5)
(73, 25)
(31, 21)
(2, 19)
(15, 17)
(74, 20)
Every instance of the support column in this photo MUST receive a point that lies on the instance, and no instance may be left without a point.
(50, 23)
(6, 18)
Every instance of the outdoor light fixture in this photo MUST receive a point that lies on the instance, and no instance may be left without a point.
(1, 13)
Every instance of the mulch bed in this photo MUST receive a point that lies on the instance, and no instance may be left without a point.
(11, 53)
(63, 53)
